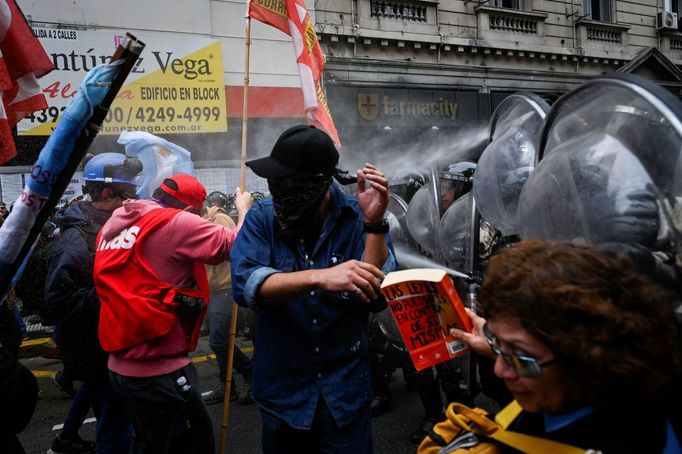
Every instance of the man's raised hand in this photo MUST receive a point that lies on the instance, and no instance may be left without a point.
(372, 193)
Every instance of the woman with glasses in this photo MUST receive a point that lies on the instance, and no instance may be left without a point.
(587, 346)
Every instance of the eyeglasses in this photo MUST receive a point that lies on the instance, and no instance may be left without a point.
(525, 366)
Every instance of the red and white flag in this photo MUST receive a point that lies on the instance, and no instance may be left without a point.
(271, 12)
(22, 61)
(309, 55)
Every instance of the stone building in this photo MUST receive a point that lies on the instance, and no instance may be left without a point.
(417, 77)
(429, 65)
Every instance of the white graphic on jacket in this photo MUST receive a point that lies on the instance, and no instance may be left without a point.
(124, 240)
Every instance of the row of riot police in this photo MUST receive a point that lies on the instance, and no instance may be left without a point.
(602, 166)
(424, 203)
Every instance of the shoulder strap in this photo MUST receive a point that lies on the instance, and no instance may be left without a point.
(480, 425)
(88, 236)
(508, 414)
(526, 443)
(86, 232)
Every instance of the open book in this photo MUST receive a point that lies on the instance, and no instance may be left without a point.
(425, 306)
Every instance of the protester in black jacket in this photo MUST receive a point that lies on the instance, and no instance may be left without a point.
(72, 301)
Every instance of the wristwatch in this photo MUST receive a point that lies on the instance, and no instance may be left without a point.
(377, 227)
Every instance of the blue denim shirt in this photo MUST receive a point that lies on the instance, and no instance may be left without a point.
(316, 343)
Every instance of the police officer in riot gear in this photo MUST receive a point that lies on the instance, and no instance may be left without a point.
(455, 182)
(386, 347)
(405, 183)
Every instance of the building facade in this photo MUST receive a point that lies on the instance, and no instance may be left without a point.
(417, 78)
(542, 45)
(440, 65)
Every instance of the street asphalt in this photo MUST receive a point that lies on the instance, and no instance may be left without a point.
(391, 430)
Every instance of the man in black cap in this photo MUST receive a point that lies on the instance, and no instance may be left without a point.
(310, 261)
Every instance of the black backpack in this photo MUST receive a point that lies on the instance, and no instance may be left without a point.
(31, 286)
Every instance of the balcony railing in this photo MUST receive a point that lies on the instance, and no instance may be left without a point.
(512, 24)
(676, 43)
(406, 11)
(495, 24)
(597, 35)
(604, 35)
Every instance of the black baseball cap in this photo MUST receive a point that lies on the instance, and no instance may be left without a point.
(301, 150)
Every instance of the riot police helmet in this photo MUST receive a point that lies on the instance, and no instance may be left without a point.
(455, 181)
(405, 182)
(217, 199)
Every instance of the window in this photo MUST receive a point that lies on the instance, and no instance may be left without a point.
(599, 10)
(513, 4)
(676, 8)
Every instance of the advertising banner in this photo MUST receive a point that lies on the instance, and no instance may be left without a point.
(176, 86)
(11, 185)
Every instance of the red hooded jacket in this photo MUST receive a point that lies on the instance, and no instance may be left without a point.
(137, 306)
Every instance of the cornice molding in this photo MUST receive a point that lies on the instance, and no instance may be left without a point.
(511, 12)
(449, 44)
(606, 25)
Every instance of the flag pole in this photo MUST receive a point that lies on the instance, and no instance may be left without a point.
(242, 185)
(71, 151)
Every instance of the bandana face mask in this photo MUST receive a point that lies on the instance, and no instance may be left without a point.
(295, 203)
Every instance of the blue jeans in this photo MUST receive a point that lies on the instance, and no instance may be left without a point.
(114, 431)
(219, 310)
(80, 406)
(20, 321)
(325, 437)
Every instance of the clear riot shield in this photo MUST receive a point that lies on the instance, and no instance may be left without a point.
(423, 214)
(508, 160)
(454, 234)
(457, 240)
(396, 213)
(609, 169)
(389, 329)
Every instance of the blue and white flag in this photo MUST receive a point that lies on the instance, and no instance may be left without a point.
(160, 159)
(52, 160)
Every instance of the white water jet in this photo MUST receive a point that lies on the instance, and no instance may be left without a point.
(410, 259)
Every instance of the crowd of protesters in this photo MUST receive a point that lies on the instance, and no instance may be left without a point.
(584, 342)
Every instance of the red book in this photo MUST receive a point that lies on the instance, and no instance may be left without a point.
(425, 306)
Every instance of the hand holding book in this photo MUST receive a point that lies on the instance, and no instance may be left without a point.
(474, 339)
(426, 308)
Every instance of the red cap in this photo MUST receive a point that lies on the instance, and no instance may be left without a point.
(189, 191)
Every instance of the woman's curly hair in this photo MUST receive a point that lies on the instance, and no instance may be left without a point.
(611, 327)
